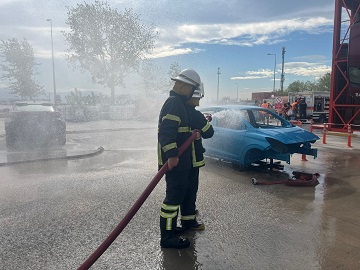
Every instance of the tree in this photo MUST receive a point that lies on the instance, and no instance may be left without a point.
(174, 70)
(300, 86)
(106, 43)
(20, 68)
(153, 79)
(323, 84)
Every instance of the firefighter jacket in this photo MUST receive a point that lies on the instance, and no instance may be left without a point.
(199, 122)
(173, 131)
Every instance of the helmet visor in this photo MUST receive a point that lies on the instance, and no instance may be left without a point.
(199, 91)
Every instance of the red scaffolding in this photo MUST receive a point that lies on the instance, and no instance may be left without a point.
(344, 109)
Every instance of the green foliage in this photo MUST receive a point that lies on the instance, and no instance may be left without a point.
(174, 70)
(20, 68)
(107, 43)
(300, 86)
(153, 80)
(324, 83)
(321, 85)
(77, 98)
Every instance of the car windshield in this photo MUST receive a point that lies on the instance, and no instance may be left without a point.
(33, 108)
(238, 119)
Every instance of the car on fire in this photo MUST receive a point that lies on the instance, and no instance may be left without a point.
(246, 135)
(34, 124)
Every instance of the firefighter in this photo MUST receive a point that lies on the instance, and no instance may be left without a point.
(199, 122)
(173, 131)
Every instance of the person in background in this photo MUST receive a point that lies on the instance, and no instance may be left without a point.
(264, 116)
(295, 108)
(173, 131)
(199, 122)
(318, 106)
(284, 111)
(302, 108)
(265, 104)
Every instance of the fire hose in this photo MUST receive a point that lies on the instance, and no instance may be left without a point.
(131, 213)
(299, 179)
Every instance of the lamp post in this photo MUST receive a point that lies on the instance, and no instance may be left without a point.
(218, 83)
(53, 64)
(237, 92)
(274, 68)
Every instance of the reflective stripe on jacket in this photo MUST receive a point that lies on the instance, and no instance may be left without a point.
(199, 122)
(173, 131)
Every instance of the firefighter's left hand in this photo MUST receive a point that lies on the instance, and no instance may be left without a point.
(172, 162)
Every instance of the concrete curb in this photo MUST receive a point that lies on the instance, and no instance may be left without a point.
(87, 155)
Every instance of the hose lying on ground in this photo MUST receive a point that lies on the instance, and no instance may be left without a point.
(299, 179)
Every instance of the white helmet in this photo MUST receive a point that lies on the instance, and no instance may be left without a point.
(199, 92)
(188, 76)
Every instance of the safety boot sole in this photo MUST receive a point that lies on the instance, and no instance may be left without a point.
(177, 243)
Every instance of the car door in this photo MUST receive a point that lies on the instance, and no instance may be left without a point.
(229, 132)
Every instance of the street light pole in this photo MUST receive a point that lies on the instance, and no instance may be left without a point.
(218, 73)
(274, 68)
(53, 64)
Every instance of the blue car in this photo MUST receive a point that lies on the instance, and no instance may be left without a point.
(249, 134)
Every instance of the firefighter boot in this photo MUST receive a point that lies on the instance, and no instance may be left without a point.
(192, 225)
(168, 237)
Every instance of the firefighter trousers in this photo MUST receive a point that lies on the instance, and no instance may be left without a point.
(179, 193)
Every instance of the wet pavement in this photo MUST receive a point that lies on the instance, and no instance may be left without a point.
(54, 214)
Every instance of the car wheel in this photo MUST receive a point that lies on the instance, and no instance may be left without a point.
(253, 156)
(242, 167)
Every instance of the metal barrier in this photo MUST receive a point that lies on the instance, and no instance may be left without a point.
(325, 131)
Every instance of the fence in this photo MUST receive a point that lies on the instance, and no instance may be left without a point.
(77, 113)
(325, 131)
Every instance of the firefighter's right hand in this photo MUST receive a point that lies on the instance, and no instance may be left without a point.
(173, 162)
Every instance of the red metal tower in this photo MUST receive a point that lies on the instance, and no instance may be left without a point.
(344, 108)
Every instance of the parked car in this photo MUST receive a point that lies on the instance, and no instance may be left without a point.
(249, 134)
(34, 124)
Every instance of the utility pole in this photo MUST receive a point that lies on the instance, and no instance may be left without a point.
(218, 73)
(274, 54)
(282, 70)
(237, 92)
(52, 54)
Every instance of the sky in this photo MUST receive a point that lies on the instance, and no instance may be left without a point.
(226, 42)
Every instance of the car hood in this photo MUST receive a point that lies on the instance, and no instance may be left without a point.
(290, 135)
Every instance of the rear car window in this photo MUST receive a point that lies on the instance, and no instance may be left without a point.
(33, 108)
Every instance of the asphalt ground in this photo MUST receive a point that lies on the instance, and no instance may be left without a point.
(53, 215)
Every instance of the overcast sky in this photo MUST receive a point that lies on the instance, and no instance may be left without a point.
(233, 35)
